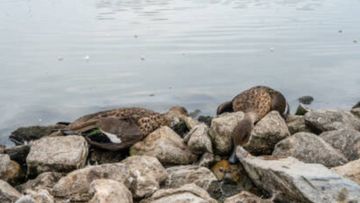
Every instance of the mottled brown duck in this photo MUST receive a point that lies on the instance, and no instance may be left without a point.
(123, 126)
(255, 102)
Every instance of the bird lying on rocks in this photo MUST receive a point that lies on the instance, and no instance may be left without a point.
(123, 126)
(255, 102)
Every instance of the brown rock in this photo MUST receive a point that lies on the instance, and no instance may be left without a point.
(350, 170)
(57, 154)
(109, 191)
(10, 171)
(45, 181)
(166, 146)
(8, 194)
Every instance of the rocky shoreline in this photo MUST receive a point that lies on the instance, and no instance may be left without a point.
(313, 156)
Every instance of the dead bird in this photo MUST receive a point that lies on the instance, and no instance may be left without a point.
(255, 102)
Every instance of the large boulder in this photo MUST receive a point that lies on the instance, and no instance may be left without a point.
(45, 181)
(346, 141)
(350, 170)
(166, 146)
(182, 175)
(296, 124)
(109, 191)
(75, 185)
(295, 181)
(8, 194)
(309, 148)
(198, 140)
(246, 197)
(266, 133)
(148, 174)
(57, 154)
(221, 131)
(187, 193)
(10, 171)
(326, 120)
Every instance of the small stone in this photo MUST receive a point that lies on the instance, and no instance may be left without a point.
(267, 132)
(10, 171)
(45, 181)
(301, 110)
(166, 146)
(39, 196)
(109, 191)
(186, 174)
(296, 124)
(356, 112)
(187, 193)
(350, 170)
(8, 194)
(198, 140)
(75, 185)
(306, 100)
(148, 175)
(246, 197)
(221, 131)
(309, 148)
(326, 120)
(206, 160)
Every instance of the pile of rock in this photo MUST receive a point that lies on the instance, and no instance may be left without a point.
(313, 157)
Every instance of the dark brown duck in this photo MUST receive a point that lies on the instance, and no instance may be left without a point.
(255, 102)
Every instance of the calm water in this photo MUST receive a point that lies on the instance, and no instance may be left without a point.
(60, 59)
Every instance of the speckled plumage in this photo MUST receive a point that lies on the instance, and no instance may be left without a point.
(147, 120)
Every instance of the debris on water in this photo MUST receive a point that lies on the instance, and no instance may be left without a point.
(87, 57)
(151, 95)
(340, 31)
(60, 58)
(142, 58)
(272, 49)
(355, 41)
(306, 99)
(136, 36)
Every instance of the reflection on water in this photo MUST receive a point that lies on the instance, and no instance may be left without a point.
(60, 59)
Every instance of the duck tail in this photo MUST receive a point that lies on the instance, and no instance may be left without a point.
(241, 134)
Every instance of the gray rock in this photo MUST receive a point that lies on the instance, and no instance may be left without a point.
(198, 140)
(182, 175)
(18, 153)
(301, 110)
(306, 99)
(246, 197)
(24, 135)
(309, 148)
(356, 112)
(326, 120)
(206, 160)
(109, 191)
(346, 141)
(57, 154)
(10, 171)
(8, 194)
(39, 196)
(147, 173)
(295, 181)
(187, 193)
(350, 170)
(75, 185)
(45, 181)
(221, 131)
(296, 124)
(166, 146)
(266, 133)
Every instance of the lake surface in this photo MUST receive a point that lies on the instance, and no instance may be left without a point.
(60, 59)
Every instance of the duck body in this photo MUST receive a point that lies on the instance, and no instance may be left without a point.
(255, 102)
(123, 126)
